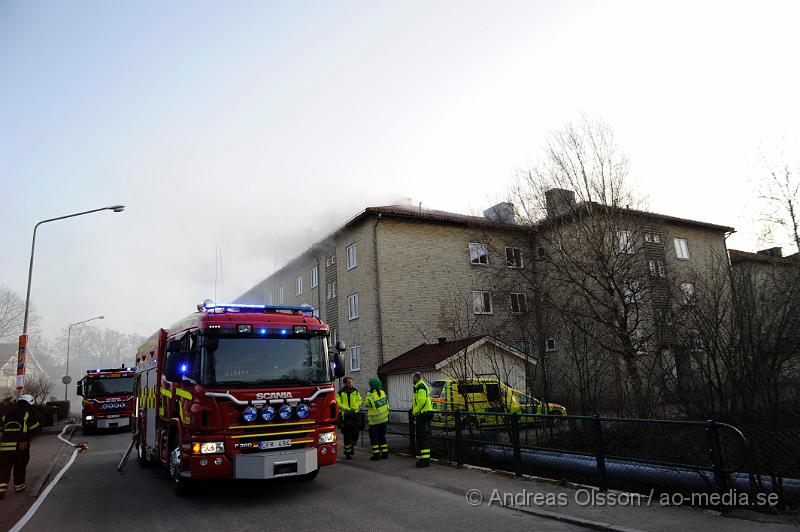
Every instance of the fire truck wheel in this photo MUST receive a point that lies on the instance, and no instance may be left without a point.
(180, 484)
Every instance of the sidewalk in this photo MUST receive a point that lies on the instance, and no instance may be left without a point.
(48, 453)
(571, 504)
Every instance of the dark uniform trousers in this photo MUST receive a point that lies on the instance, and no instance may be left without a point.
(351, 426)
(423, 430)
(377, 438)
(16, 459)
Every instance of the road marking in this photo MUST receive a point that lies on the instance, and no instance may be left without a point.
(32, 510)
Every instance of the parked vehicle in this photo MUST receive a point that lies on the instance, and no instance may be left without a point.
(479, 397)
(238, 391)
(107, 398)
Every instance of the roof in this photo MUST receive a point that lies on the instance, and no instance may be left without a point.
(426, 356)
(746, 256)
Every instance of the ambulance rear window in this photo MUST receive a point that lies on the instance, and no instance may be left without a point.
(438, 389)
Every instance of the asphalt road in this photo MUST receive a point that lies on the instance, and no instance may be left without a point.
(354, 495)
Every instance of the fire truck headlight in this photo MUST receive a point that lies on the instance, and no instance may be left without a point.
(212, 447)
(285, 412)
(250, 414)
(268, 413)
(327, 437)
(89, 418)
(302, 410)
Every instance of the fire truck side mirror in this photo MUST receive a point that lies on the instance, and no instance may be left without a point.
(340, 346)
(338, 366)
(79, 390)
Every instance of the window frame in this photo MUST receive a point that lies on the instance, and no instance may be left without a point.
(331, 290)
(689, 296)
(656, 267)
(357, 350)
(547, 342)
(314, 276)
(485, 255)
(347, 252)
(514, 264)
(527, 351)
(521, 296)
(298, 285)
(625, 245)
(352, 305)
(482, 293)
(280, 295)
(679, 249)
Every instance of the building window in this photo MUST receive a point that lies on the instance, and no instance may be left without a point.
(298, 285)
(541, 252)
(519, 304)
(355, 358)
(330, 260)
(478, 253)
(657, 268)
(352, 307)
(332, 339)
(630, 289)
(523, 346)
(332, 290)
(514, 257)
(314, 277)
(653, 238)
(280, 295)
(682, 248)
(550, 344)
(351, 256)
(625, 240)
(687, 291)
(482, 302)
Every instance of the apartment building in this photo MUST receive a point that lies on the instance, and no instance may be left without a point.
(394, 277)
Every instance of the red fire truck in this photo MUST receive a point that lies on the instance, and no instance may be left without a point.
(238, 391)
(107, 398)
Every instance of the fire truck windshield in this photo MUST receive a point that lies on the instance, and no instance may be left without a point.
(264, 361)
(96, 387)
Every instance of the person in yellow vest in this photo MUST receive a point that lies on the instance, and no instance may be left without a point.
(15, 443)
(378, 417)
(421, 410)
(349, 401)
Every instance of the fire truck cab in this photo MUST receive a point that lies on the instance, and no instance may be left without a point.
(238, 391)
(107, 398)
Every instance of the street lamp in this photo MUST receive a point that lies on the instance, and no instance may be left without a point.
(66, 379)
(23, 340)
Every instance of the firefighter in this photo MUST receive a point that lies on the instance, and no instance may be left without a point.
(15, 443)
(349, 402)
(422, 411)
(378, 417)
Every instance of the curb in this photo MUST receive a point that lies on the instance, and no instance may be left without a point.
(44, 479)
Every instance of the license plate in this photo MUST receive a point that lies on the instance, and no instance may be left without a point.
(274, 444)
(113, 417)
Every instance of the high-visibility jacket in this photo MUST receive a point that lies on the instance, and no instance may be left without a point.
(17, 423)
(349, 401)
(377, 407)
(422, 398)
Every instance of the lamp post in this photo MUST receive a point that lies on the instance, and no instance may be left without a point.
(66, 379)
(23, 340)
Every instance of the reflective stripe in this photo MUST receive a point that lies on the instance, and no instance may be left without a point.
(166, 393)
(183, 393)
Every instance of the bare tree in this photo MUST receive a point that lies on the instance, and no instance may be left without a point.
(585, 225)
(40, 387)
(780, 192)
(12, 307)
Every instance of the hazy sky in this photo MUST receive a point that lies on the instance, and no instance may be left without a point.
(255, 126)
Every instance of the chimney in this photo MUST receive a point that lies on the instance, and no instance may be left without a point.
(776, 252)
(559, 201)
(502, 213)
(442, 339)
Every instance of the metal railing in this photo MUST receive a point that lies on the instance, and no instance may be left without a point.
(626, 453)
